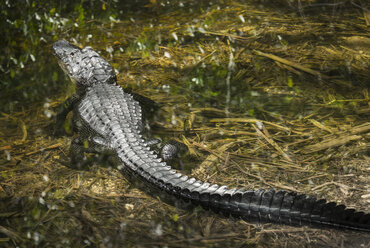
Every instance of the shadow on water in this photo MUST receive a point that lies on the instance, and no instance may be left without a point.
(263, 95)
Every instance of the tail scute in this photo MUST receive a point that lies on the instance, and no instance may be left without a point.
(275, 206)
(307, 209)
(286, 206)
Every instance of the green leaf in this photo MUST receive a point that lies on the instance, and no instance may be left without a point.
(175, 217)
(55, 76)
(290, 82)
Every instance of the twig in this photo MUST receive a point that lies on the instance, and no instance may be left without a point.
(2, 148)
(290, 63)
(10, 233)
(361, 128)
(330, 143)
(289, 68)
(328, 183)
(321, 126)
(43, 149)
(249, 120)
(273, 143)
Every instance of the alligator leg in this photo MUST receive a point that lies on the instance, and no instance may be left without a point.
(148, 106)
(146, 103)
(63, 111)
(171, 153)
(171, 150)
(96, 145)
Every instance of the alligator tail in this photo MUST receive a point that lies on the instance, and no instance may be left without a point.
(137, 161)
(250, 205)
(281, 207)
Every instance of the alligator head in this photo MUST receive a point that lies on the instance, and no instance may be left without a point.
(83, 66)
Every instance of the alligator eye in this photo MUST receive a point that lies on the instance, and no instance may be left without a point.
(72, 54)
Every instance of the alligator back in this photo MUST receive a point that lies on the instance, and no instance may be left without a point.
(109, 111)
(113, 114)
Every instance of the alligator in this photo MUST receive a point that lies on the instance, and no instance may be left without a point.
(109, 119)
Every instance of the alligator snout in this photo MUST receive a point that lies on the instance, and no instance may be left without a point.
(62, 49)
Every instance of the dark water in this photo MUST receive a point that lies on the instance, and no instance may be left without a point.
(201, 62)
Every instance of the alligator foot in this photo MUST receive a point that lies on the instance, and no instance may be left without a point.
(172, 149)
(96, 146)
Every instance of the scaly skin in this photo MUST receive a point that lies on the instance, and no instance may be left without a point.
(110, 120)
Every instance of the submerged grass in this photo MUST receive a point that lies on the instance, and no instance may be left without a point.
(297, 119)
